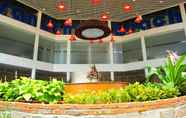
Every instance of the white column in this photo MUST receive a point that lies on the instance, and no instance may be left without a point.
(90, 54)
(144, 51)
(111, 53)
(68, 58)
(183, 15)
(36, 45)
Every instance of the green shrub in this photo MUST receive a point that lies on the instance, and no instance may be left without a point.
(26, 89)
(133, 92)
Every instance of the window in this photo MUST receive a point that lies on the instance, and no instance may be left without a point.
(100, 53)
(127, 51)
(15, 41)
(51, 51)
(79, 52)
(158, 45)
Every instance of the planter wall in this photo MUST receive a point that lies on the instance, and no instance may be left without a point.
(167, 108)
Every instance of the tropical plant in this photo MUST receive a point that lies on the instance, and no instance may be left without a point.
(170, 74)
(26, 89)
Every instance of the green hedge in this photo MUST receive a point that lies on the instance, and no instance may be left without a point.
(133, 92)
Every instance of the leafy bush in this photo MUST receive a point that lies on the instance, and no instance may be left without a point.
(26, 89)
(171, 74)
(133, 92)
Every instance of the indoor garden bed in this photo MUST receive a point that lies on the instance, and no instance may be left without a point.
(25, 97)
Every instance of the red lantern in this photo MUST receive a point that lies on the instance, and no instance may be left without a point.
(127, 7)
(122, 29)
(130, 31)
(68, 22)
(100, 41)
(104, 17)
(61, 7)
(91, 42)
(138, 19)
(95, 2)
(112, 39)
(50, 24)
(72, 38)
(58, 32)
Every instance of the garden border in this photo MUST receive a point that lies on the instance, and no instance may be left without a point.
(91, 109)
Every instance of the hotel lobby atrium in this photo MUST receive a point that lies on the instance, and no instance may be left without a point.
(92, 58)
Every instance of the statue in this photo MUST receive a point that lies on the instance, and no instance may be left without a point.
(93, 74)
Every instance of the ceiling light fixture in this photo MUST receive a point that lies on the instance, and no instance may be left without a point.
(130, 31)
(72, 38)
(95, 2)
(50, 24)
(112, 39)
(61, 6)
(92, 30)
(104, 17)
(58, 32)
(127, 7)
(138, 19)
(68, 22)
(100, 41)
(122, 29)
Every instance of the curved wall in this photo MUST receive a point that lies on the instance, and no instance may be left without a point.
(167, 108)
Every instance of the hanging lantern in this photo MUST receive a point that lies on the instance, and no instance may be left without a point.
(138, 19)
(122, 29)
(72, 38)
(50, 24)
(104, 17)
(61, 6)
(68, 22)
(95, 2)
(127, 7)
(91, 42)
(100, 41)
(112, 39)
(130, 31)
(58, 32)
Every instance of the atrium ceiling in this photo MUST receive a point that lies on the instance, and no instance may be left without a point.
(87, 9)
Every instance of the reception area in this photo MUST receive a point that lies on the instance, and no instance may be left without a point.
(92, 59)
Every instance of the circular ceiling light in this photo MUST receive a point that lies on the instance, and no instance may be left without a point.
(93, 30)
